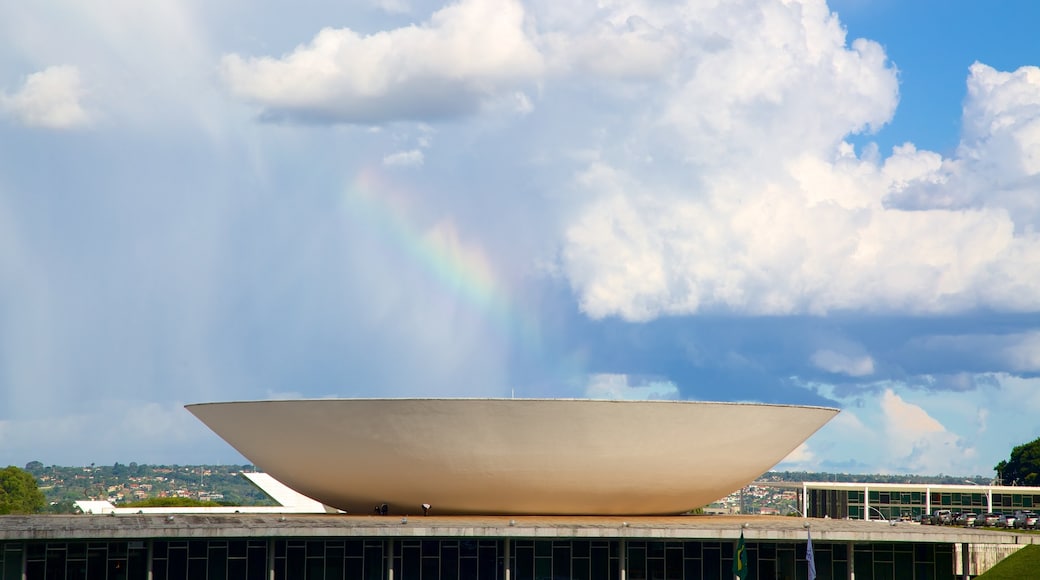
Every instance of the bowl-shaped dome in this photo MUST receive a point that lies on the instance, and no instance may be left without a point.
(513, 456)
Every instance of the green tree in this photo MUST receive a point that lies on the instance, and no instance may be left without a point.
(19, 493)
(1023, 467)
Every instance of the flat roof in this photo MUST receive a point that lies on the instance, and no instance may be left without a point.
(940, 487)
(708, 528)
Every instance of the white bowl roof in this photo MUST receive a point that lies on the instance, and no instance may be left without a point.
(513, 456)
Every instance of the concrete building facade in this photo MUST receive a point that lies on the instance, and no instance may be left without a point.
(290, 547)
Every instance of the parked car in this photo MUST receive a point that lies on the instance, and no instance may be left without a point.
(987, 520)
(966, 519)
(1025, 520)
(1006, 521)
(942, 517)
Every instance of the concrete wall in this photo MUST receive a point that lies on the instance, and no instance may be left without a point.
(982, 557)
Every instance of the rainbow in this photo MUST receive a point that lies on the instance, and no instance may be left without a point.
(460, 268)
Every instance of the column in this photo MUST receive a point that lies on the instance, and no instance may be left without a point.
(989, 499)
(270, 559)
(852, 562)
(508, 563)
(805, 500)
(151, 574)
(623, 559)
(928, 501)
(866, 502)
(965, 560)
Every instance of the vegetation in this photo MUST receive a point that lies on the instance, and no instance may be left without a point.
(122, 483)
(1023, 468)
(171, 502)
(19, 493)
(1022, 564)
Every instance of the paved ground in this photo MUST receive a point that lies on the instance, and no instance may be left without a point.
(758, 528)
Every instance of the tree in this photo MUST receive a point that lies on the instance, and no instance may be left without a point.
(19, 493)
(1023, 467)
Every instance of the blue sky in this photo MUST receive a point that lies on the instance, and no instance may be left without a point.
(763, 200)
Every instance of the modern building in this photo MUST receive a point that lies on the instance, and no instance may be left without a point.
(297, 546)
(892, 501)
(479, 489)
(513, 456)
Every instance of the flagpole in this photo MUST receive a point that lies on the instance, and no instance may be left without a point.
(810, 556)
(740, 566)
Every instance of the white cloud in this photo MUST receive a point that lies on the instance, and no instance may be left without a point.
(50, 99)
(802, 455)
(754, 204)
(914, 438)
(919, 430)
(784, 229)
(617, 386)
(998, 162)
(630, 48)
(410, 158)
(466, 53)
(836, 362)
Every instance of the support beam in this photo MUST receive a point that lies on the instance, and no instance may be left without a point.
(623, 559)
(508, 560)
(866, 502)
(270, 559)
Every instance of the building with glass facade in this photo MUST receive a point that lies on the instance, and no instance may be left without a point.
(892, 501)
(265, 547)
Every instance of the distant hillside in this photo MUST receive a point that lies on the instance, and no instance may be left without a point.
(124, 483)
(874, 478)
(133, 482)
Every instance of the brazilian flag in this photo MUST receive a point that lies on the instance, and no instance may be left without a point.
(740, 559)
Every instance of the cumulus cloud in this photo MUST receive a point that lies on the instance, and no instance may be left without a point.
(919, 440)
(998, 161)
(908, 435)
(774, 225)
(467, 52)
(49, 99)
(629, 48)
(618, 386)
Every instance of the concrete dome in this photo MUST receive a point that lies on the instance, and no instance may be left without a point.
(513, 456)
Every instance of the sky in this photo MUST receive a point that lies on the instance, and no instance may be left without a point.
(776, 201)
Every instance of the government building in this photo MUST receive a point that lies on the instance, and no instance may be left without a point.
(494, 489)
